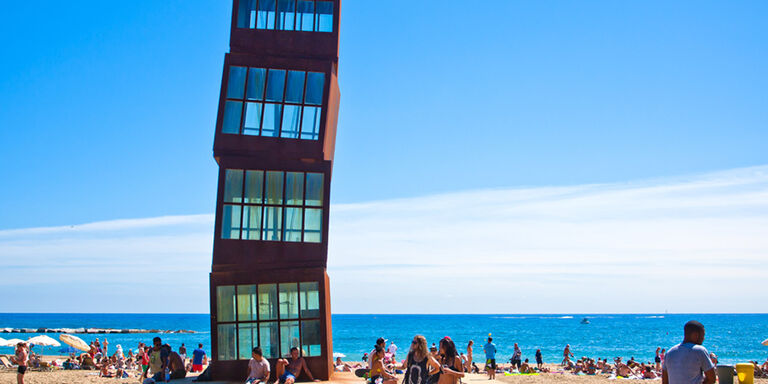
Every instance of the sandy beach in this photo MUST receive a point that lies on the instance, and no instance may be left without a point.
(75, 377)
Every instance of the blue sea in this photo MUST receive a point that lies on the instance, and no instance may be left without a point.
(733, 337)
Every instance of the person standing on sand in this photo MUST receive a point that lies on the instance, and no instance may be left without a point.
(183, 353)
(539, 359)
(490, 358)
(197, 358)
(688, 362)
(392, 350)
(419, 362)
(469, 356)
(517, 357)
(21, 360)
(106, 347)
(657, 359)
(567, 354)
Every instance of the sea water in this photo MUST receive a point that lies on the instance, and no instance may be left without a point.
(733, 337)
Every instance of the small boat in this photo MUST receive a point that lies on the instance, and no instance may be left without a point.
(585, 321)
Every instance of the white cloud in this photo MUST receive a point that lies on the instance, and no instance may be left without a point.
(692, 244)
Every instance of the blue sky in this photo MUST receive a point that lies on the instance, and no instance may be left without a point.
(108, 108)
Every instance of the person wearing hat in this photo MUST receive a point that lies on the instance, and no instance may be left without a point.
(21, 360)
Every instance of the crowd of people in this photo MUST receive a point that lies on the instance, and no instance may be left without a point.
(150, 363)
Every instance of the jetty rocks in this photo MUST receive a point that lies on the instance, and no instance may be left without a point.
(89, 330)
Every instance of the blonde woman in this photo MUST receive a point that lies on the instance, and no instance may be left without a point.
(419, 364)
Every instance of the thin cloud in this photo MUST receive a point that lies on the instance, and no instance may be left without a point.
(670, 244)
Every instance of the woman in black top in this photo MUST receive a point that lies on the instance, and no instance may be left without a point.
(451, 369)
(419, 363)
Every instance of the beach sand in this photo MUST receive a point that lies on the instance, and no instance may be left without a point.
(76, 377)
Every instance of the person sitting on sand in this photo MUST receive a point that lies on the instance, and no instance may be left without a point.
(378, 373)
(158, 360)
(289, 371)
(525, 367)
(258, 368)
(104, 371)
(648, 373)
(175, 364)
(623, 370)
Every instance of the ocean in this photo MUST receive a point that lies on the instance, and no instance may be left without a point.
(733, 337)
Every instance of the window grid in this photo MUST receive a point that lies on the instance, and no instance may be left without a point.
(277, 320)
(271, 19)
(264, 204)
(311, 133)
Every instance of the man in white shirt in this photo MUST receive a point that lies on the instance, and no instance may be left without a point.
(258, 368)
(688, 362)
(392, 349)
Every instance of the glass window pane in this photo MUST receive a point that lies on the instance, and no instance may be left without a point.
(291, 116)
(247, 337)
(310, 337)
(230, 222)
(252, 222)
(289, 336)
(225, 301)
(254, 181)
(236, 82)
(310, 299)
(324, 22)
(315, 84)
(310, 123)
(272, 115)
(306, 16)
(227, 342)
(292, 224)
(274, 187)
(294, 188)
(313, 225)
(247, 303)
(252, 119)
(266, 15)
(275, 85)
(246, 14)
(273, 217)
(294, 92)
(233, 186)
(256, 79)
(314, 189)
(233, 110)
(286, 12)
(267, 302)
(289, 301)
(268, 339)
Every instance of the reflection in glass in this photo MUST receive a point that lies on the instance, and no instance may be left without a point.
(313, 225)
(233, 110)
(268, 339)
(247, 337)
(274, 187)
(233, 186)
(289, 301)
(310, 124)
(286, 12)
(251, 222)
(256, 79)
(310, 337)
(246, 14)
(272, 223)
(314, 189)
(289, 336)
(294, 188)
(275, 85)
(230, 222)
(272, 115)
(247, 303)
(236, 83)
(292, 224)
(266, 15)
(267, 302)
(324, 22)
(310, 299)
(252, 119)
(294, 92)
(291, 116)
(306, 16)
(315, 84)
(225, 299)
(254, 181)
(227, 342)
